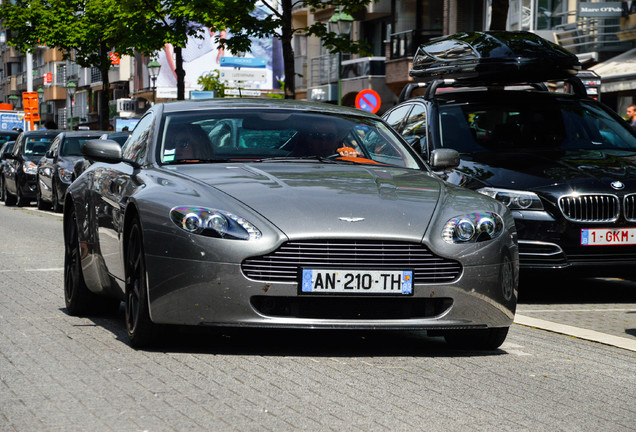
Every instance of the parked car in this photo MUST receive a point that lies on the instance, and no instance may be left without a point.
(4, 150)
(278, 229)
(8, 135)
(80, 165)
(563, 163)
(20, 176)
(55, 169)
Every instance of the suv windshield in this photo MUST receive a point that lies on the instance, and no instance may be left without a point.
(533, 123)
(262, 135)
(36, 146)
(73, 146)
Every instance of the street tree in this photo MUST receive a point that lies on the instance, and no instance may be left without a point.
(88, 32)
(274, 20)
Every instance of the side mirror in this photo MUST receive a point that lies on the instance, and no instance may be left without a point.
(99, 150)
(444, 158)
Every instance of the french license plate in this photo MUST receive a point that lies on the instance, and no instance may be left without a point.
(608, 236)
(337, 281)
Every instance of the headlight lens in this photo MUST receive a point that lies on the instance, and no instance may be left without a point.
(515, 200)
(65, 175)
(214, 223)
(472, 228)
(30, 168)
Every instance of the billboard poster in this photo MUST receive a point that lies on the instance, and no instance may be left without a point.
(201, 56)
(12, 119)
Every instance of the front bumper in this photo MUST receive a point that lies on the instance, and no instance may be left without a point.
(201, 293)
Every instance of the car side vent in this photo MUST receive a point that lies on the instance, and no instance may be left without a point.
(629, 207)
(284, 264)
(590, 208)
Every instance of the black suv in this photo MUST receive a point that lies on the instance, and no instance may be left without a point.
(564, 163)
(21, 166)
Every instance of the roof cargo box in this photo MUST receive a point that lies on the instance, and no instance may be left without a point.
(497, 57)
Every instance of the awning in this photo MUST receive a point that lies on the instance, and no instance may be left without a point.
(618, 73)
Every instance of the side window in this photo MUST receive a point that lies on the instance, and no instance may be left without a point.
(395, 117)
(54, 147)
(415, 124)
(137, 143)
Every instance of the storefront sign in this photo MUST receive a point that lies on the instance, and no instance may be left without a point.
(611, 9)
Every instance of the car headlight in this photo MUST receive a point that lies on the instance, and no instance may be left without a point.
(66, 175)
(30, 168)
(515, 200)
(472, 228)
(213, 223)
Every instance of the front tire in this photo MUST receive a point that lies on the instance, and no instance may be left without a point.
(141, 330)
(478, 339)
(79, 300)
(41, 204)
(9, 200)
(55, 202)
(21, 200)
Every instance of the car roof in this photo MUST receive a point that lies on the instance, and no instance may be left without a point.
(42, 132)
(88, 133)
(261, 103)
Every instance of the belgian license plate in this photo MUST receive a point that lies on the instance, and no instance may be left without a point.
(336, 281)
(608, 236)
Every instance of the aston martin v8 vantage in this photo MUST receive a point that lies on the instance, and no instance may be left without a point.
(262, 213)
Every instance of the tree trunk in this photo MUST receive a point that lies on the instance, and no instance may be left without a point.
(180, 73)
(288, 51)
(499, 14)
(104, 108)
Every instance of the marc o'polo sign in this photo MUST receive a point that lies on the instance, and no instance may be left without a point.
(610, 9)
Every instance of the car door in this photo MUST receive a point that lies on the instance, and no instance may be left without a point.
(12, 165)
(46, 170)
(116, 184)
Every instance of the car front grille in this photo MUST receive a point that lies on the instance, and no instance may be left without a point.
(283, 265)
(590, 208)
(629, 207)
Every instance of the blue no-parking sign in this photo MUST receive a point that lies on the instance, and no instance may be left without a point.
(368, 100)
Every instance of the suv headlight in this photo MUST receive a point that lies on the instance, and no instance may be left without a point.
(65, 175)
(472, 228)
(514, 199)
(30, 168)
(213, 223)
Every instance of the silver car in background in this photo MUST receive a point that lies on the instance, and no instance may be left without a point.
(275, 213)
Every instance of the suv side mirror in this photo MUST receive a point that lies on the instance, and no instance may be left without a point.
(444, 158)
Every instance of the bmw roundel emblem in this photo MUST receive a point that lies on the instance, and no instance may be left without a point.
(617, 185)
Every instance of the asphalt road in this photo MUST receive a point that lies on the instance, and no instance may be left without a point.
(64, 373)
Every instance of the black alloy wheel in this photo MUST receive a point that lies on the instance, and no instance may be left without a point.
(55, 203)
(21, 200)
(1, 188)
(79, 300)
(141, 330)
(42, 205)
(9, 200)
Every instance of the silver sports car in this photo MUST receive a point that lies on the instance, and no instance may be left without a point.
(274, 213)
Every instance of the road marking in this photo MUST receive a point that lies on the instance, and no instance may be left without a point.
(577, 332)
(34, 270)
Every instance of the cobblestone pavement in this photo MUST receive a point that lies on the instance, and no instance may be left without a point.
(64, 373)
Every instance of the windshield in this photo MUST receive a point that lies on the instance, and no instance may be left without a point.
(37, 146)
(280, 135)
(539, 125)
(72, 146)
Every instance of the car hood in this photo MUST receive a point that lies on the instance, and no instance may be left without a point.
(68, 161)
(537, 170)
(314, 199)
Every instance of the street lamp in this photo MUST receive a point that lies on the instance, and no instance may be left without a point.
(341, 24)
(40, 100)
(153, 69)
(71, 87)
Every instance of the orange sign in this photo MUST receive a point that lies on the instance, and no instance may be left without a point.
(114, 58)
(48, 78)
(31, 107)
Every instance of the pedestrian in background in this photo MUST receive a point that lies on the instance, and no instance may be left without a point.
(631, 115)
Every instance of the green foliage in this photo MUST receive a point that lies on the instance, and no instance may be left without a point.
(212, 82)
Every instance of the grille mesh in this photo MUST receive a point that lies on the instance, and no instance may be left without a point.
(283, 264)
(630, 207)
(590, 208)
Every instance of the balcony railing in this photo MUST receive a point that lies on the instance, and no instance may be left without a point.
(324, 70)
(590, 35)
(404, 44)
